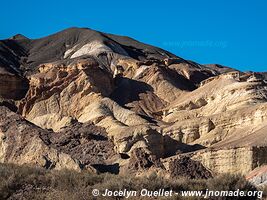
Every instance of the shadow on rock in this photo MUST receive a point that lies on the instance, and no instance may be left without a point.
(128, 90)
(173, 147)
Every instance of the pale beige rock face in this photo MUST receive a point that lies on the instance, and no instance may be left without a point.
(215, 128)
(219, 95)
(154, 75)
(232, 160)
(81, 96)
(228, 115)
(59, 93)
(128, 130)
(217, 109)
(217, 115)
(239, 160)
(108, 108)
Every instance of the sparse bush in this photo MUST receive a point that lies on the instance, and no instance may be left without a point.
(229, 182)
(24, 182)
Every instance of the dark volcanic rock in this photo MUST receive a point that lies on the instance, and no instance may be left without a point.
(140, 160)
(186, 167)
(85, 142)
(19, 52)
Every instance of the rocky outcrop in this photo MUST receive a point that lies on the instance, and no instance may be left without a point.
(21, 144)
(77, 147)
(84, 142)
(233, 160)
(59, 92)
(185, 167)
(139, 160)
(224, 107)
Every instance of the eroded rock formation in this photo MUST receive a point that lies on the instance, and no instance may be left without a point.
(87, 100)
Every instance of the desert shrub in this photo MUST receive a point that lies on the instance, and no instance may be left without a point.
(230, 182)
(24, 182)
(14, 178)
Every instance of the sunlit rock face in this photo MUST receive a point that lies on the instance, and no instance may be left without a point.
(86, 100)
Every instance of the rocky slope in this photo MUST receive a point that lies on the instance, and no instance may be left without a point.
(86, 100)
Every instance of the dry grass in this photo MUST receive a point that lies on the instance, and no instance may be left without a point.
(22, 182)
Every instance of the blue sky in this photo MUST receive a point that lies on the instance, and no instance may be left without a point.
(228, 32)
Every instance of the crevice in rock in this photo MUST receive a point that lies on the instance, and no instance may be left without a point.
(102, 168)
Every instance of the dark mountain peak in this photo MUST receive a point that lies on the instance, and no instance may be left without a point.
(71, 43)
(19, 37)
